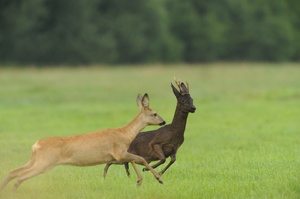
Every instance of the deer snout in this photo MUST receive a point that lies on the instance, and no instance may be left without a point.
(163, 123)
(193, 109)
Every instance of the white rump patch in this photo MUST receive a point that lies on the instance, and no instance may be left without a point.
(35, 146)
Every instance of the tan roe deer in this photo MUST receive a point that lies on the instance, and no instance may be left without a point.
(89, 149)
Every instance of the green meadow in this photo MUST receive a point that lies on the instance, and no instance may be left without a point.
(243, 141)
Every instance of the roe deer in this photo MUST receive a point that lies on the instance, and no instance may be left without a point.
(164, 142)
(89, 149)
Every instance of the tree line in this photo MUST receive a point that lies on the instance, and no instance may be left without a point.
(148, 31)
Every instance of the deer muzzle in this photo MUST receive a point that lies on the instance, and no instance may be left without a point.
(163, 123)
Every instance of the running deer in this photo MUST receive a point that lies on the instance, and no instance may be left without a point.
(164, 142)
(89, 149)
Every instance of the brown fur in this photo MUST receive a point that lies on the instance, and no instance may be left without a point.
(88, 149)
(164, 142)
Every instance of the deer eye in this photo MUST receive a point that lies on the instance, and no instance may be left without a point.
(155, 114)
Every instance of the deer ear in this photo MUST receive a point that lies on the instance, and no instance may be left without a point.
(145, 100)
(139, 101)
(175, 91)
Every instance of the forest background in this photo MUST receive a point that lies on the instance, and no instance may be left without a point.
(57, 32)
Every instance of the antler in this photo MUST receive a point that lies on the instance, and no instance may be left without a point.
(183, 90)
(178, 84)
(188, 87)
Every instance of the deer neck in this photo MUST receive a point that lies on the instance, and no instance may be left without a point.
(179, 120)
(134, 127)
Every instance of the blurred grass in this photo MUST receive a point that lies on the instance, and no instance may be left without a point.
(242, 142)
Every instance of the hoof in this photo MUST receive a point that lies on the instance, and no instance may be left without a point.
(145, 169)
(159, 180)
(139, 183)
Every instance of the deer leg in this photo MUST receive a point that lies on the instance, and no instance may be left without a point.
(34, 170)
(173, 159)
(140, 178)
(13, 174)
(110, 163)
(38, 166)
(129, 157)
(160, 154)
(126, 165)
(106, 169)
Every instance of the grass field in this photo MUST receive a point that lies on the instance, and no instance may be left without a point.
(242, 142)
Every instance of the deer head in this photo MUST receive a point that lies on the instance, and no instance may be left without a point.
(150, 116)
(183, 96)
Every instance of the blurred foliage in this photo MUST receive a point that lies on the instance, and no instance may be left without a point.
(147, 31)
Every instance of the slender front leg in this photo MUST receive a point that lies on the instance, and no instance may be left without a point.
(173, 159)
(129, 157)
(160, 154)
(106, 169)
(115, 162)
(140, 178)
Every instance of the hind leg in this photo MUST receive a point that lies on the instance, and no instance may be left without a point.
(36, 169)
(13, 174)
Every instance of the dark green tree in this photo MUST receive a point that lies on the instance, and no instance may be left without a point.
(294, 19)
(20, 22)
(260, 31)
(137, 29)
